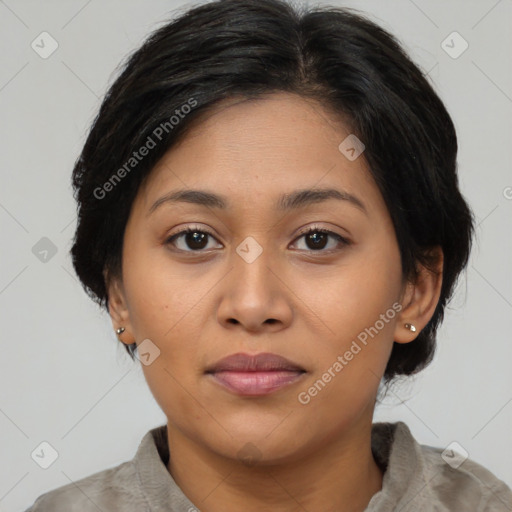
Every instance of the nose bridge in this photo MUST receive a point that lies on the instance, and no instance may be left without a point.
(252, 260)
(254, 295)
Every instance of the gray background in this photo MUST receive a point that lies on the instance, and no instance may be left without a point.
(63, 377)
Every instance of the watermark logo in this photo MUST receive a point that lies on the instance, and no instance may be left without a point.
(249, 250)
(249, 454)
(147, 352)
(44, 250)
(351, 147)
(44, 455)
(454, 455)
(44, 45)
(454, 45)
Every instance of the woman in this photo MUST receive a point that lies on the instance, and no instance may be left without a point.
(269, 210)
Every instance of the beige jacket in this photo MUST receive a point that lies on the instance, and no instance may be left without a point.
(417, 478)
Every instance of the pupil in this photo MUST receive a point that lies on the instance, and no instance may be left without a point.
(314, 237)
(195, 240)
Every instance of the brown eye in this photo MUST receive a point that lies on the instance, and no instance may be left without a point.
(317, 239)
(191, 240)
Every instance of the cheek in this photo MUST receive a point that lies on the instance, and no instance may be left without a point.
(359, 305)
(164, 307)
(168, 316)
(355, 295)
(161, 294)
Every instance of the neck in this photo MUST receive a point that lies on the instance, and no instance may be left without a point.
(342, 475)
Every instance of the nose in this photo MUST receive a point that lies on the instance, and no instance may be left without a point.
(255, 295)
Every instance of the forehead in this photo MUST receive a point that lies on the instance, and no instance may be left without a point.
(260, 149)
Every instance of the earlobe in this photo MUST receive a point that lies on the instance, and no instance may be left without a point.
(420, 299)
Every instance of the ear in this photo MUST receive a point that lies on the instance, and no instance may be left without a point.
(118, 310)
(420, 298)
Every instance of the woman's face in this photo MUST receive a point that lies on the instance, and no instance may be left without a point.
(249, 281)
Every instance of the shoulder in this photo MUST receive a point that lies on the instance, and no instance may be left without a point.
(459, 481)
(112, 489)
(450, 479)
(122, 488)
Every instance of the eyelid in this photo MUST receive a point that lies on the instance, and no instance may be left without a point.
(318, 227)
(190, 227)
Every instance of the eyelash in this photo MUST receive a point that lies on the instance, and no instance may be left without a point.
(313, 229)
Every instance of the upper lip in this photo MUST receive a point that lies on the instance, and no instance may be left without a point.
(252, 363)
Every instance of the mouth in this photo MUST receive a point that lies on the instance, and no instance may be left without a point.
(256, 375)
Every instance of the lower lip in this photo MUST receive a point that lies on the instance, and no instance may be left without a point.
(256, 383)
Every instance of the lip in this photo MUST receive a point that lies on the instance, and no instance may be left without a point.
(262, 362)
(255, 375)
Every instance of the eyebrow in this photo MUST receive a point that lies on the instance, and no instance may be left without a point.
(291, 201)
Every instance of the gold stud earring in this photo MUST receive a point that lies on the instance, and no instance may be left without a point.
(410, 327)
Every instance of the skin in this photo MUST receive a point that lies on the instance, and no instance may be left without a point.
(198, 307)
